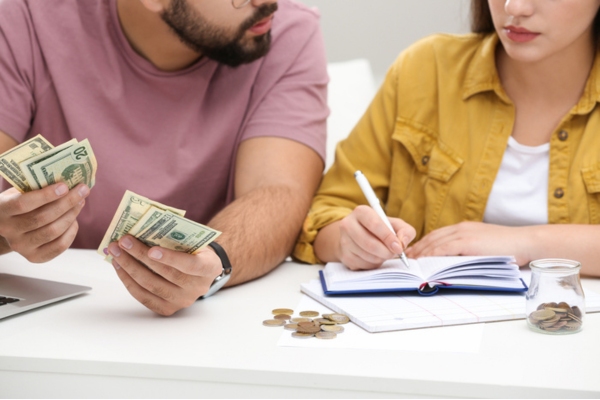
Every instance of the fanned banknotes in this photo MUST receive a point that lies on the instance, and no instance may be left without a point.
(155, 224)
(35, 164)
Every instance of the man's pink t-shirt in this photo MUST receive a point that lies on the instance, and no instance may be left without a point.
(67, 71)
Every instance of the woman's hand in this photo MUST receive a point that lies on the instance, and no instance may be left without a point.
(364, 240)
(473, 239)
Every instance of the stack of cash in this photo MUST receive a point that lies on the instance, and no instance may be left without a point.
(35, 164)
(155, 224)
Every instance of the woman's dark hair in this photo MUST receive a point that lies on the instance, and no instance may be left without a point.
(481, 19)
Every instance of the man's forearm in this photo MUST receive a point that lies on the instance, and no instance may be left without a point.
(260, 229)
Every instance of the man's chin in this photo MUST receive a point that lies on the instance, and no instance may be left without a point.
(257, 47)
(243, 51)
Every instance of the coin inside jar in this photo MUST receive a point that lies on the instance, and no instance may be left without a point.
(555, 317)
(542, 315)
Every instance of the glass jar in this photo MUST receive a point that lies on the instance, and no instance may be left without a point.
(555, 299)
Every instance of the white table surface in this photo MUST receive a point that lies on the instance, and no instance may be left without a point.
(105, 344)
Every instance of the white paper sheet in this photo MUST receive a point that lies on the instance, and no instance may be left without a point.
(453, 339)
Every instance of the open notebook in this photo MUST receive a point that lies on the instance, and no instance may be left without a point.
(427, 275)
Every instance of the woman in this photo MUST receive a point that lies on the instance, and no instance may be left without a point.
(480, 144)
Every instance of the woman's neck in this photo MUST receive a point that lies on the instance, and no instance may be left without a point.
(560, 78)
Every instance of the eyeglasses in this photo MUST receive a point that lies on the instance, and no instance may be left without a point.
(239, 3)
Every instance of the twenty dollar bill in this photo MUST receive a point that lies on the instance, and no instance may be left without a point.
(10, 160)
(155, 224)
(36, 164)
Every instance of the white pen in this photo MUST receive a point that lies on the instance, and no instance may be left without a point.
(376, 205)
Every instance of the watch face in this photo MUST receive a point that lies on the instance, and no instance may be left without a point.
(217, 284)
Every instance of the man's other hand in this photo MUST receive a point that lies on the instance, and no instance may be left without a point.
(41, 224)
(163, 280)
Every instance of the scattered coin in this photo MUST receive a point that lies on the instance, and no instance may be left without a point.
(291, 327)
(325, 335)
(308, 329)
(301, 319)
(326, 327)
(339, 318)
(324, 321)
(273, 322)
(282, 311)
(555, 317)
(332, 328)
(308, 323)
(300, 335)
(309, 314)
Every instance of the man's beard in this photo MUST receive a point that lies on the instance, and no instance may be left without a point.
(213, 42)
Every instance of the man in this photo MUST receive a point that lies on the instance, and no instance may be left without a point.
(217, 107)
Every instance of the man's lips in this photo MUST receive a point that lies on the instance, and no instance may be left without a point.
(261, 27)
(519, 34)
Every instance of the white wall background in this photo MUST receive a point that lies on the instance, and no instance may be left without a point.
(380, 29)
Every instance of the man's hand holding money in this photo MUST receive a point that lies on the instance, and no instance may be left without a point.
(41, 224)
(159, 254)
(38, 216)
(161, 279)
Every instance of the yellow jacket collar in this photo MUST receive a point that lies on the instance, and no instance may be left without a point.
(482, 76)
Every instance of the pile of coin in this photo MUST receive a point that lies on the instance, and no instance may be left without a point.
(556, 317)
(309, 324)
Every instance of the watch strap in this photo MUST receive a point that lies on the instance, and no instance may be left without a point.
(222, 255)
(222, 278)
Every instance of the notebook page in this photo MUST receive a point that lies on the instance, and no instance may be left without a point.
(483, 282)
(393, 273)
(432, 265)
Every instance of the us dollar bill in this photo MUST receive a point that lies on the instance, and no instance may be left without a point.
(131, 209)
(174, 232)
(147, 219)
(10, 161)
(27, 166)
(74, 165)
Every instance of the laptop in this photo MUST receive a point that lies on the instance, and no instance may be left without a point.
(19, 293)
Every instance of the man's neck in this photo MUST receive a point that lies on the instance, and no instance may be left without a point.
(152, 38)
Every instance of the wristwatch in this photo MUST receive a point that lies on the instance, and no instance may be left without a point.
(225, 275)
